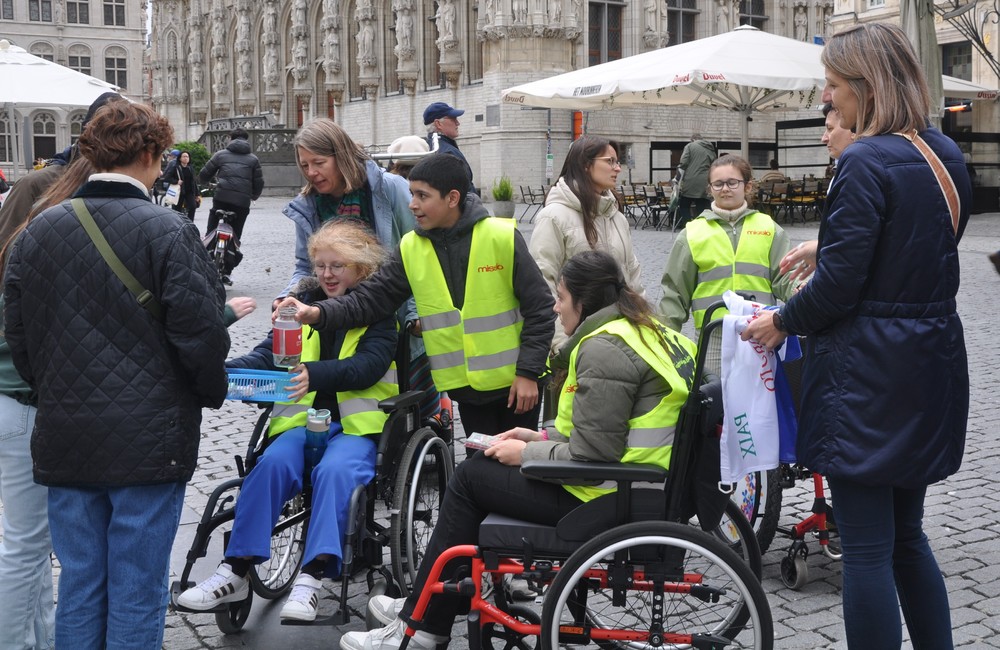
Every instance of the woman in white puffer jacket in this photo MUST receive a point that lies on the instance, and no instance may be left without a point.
(581, 213)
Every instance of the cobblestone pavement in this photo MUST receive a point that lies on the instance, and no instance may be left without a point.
(963, 518)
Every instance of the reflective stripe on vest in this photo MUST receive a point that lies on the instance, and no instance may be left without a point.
(359, 411)
(650, 435)
(746, 270)
(478, 345)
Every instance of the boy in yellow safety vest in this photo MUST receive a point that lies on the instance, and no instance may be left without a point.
(485, 312)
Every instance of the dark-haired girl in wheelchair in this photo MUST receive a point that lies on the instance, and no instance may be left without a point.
(626, 379)
(347, 372)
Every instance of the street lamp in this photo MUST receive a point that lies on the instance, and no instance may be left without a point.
(970, 19)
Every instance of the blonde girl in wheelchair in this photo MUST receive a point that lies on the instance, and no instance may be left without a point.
(349, 365)
(624, 371)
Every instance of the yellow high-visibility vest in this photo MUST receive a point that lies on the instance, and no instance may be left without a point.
(359, 411)
(720, 268)
(478, 345)
(651, 435)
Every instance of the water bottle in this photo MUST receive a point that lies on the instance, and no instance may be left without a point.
(317, 432)
(287, 340)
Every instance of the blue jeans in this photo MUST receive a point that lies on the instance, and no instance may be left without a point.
(348, 461)
(114, 546)
(886, 556)
(27, 612)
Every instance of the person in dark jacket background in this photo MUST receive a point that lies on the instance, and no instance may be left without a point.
(241, 180)
(120, 391)
(694, 195)
(184, 174)
(442, 119)
(886, 386)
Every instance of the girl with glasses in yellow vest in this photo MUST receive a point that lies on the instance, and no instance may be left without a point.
(347, 371)
(627, 377)
(729, 246)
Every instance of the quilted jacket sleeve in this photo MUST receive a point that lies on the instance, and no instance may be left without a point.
(13, 322)
(193, 301)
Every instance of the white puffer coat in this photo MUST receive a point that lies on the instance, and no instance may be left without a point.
(559, 235)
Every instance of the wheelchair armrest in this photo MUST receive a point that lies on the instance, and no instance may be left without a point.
(410, 398)
(572, 469)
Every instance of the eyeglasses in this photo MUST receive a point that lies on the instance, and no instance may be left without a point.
(732, 184)
(614, 162)
(333, 269)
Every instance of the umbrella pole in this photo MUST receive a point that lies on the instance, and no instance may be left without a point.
(14, 144)
(745, 135)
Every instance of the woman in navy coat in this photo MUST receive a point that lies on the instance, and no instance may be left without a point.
(886, 386)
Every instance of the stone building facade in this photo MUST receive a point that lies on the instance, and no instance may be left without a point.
(103, 38)
(374, 65)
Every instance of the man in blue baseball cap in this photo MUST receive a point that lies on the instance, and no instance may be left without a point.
(442, 119)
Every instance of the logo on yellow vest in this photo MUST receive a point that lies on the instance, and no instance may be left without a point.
(490, 268)
(766, 233)
(570, 388)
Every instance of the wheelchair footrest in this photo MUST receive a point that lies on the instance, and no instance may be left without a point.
(340, 617)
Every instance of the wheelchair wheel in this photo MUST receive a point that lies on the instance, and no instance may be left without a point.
(273, 577)
(498, 637)
(738, 535)
(424, 471)
(656, 584)
(234, 617)
(758, 495)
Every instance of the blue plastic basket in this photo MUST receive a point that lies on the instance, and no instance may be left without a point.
(258, 385)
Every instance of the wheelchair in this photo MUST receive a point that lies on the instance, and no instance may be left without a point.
(625, 570)
(413, 465)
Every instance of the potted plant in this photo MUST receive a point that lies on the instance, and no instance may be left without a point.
(503, 198)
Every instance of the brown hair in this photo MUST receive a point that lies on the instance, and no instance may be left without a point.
(594, 281)
(351, 240)
(884, 74)
(65, 186)
(121, 132)
(324, 137)
(576, 174)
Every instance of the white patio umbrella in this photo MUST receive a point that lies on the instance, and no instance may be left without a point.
(963, 89)
(28, 81)
(745, 71)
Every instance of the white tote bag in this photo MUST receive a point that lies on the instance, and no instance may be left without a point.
(173, 195)
(750, 426)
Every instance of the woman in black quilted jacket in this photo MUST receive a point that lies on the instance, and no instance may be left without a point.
(120, 385)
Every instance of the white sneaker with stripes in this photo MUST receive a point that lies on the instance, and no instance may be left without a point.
(303, 602)
(223, 586)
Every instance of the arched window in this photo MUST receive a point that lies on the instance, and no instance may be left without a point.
(474, 57)
(605, 31)
(354, 89)
(79, 58)
(75, 127)
(432, 68)
(753, 12)
(390, 60)
(681, 15)
(115, 66)
(43, 51)
(5, 150)
(43, 130)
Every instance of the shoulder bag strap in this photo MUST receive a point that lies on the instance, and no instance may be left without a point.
(142, 295)
(943, 177)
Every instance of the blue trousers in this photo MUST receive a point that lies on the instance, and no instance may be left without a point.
(887, 556)
(349, 461)
(114, 548)
(27, 611)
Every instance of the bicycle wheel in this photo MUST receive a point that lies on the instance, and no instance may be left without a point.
(424, 471)
(219, 255)
(273, 577)
(758, 495)
(656, 584)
